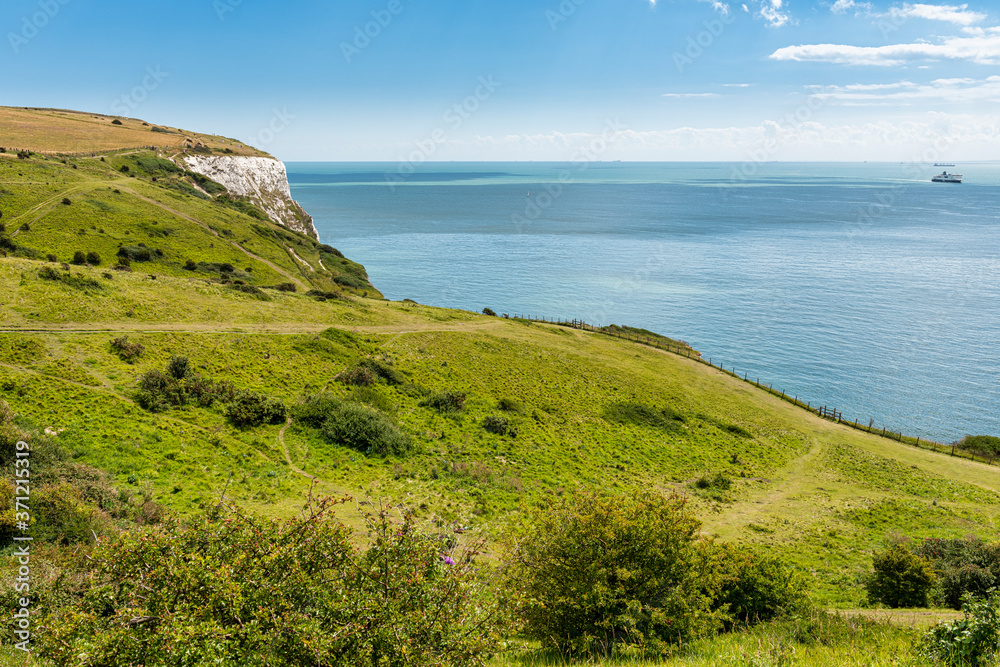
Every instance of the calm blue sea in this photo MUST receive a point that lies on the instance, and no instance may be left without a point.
(864, 287)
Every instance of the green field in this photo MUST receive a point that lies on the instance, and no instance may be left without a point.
(580, 408)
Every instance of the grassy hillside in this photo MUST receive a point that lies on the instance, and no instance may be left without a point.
(188, 224)
(64, 132)
(501, 414)
(586, 409)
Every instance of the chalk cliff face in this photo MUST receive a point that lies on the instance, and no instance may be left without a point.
(262, 180)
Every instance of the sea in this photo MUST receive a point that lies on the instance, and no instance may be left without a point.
(863, 287)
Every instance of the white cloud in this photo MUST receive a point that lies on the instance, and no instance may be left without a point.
(957, 14)
(718, 6)
(844, 6)
(737, 85)
(771, 11)
(690, 95)
(984, 50)
(959, 91)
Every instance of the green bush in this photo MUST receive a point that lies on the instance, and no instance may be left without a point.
(446, 402)
(179, 367)
(383, 370)
(600, 573)
(78, 281)
(969, 642)
(286, 287)
(496, 424)
(753, 587)
(508, 405)
(93, 258)
(250, 408)
(966, 565)
(230, 590)
(489, 311)
(79, 257)
(251, 290)
(190, 265)
(158, 390)
(358, 376)
(982, 445)
(316, 409)
(127, 350)
(135, 253)
(365, 430)
(900, 578)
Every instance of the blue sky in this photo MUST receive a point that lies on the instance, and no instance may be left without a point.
(530, 80)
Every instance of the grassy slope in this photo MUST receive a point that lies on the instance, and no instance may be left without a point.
(108, 209)
(820, 494)
(62, 131)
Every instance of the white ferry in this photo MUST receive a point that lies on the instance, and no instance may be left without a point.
(945, 177)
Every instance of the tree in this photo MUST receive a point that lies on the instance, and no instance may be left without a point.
(900, 578)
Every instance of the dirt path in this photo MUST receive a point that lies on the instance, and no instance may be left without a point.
(288, 458)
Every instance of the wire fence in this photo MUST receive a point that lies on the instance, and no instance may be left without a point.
(822, 411)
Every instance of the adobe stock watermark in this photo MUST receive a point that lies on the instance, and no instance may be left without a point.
(454, 117)
(22, 545)
(280, 121)
(31, 25)
(223, 7)
(884, 198)
(582, 158)
(364, 34)
(702, 41)
(562, 13)
(770, 146)
(130, 101)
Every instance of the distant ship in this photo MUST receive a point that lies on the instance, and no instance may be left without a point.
(942, 164)
(945, 177)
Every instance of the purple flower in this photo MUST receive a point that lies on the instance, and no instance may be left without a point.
(447, 560)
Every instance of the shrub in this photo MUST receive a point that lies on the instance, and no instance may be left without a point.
(93, 258)
(231, 589)
(135, 253)
(333, 251)
(316, 409)
(51, 258)
(284, 287)
(753, 588)
(359, 376)
(496, 424)
(79, 257)
(226, 267)
(251, 290)
(900, 578)
(179, 367)
(26, 227)
(250, 408)
(190, 265)
(598, 573)
(66, 201)
(489, 311)
(116, 122)
(127, 350)
(508, 405)
(969, 642)
(78, 281)
(962, 566)
(987, 446)
(350, 281)
(365, 430)
(158, 390)
(446, 402)
(383, 370)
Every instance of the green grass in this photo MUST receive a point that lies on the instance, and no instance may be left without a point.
(587, 408)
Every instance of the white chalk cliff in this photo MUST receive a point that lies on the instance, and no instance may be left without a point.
(262, 180)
